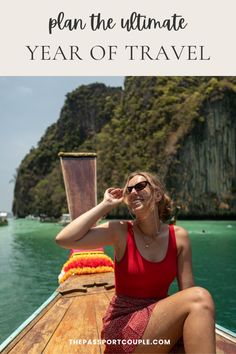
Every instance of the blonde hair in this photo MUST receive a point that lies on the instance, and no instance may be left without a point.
(165, 204)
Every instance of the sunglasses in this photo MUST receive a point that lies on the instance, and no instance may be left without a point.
(138, 187)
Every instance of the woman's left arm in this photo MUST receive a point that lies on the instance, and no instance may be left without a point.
(184, 262)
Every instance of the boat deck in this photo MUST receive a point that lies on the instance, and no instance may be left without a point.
(76, 314)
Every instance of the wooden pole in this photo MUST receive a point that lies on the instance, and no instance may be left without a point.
(80, 179)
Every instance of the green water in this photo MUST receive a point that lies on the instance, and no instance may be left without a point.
(30, 262)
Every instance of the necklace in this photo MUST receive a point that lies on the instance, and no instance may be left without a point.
(149, 240)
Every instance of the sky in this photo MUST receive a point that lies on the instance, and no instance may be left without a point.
(28, 105)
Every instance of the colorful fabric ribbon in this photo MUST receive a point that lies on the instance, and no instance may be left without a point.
(86, 262)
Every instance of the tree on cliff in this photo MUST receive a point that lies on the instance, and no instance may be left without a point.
(179, 127)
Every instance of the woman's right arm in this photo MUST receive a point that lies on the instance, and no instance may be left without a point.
(81, 232)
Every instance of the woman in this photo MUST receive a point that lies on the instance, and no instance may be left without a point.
(149, 254)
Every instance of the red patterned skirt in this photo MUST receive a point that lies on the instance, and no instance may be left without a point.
(126, 318)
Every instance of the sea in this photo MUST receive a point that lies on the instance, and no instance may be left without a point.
(30, 262)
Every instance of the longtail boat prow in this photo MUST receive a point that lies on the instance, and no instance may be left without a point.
(70, 321)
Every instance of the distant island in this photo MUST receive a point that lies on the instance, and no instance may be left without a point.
(182, 128)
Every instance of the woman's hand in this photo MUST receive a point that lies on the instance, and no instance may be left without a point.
(81, 232)
(113, 196)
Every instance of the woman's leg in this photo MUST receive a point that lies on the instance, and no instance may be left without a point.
(188, 313)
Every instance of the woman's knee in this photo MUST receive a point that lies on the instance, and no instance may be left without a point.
(201, 299)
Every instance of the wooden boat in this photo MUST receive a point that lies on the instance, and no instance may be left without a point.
(73, 315)
(3, 218)
(70, 321)
(64, 220)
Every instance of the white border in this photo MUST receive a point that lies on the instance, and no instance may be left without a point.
(211, 24)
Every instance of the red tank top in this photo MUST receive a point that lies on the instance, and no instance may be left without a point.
(137, 277)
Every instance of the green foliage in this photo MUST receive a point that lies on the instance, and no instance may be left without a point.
(83, 115)
(140, 128)
(48, 195)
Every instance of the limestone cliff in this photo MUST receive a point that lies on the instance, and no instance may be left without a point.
(202, 176)
(182, 128)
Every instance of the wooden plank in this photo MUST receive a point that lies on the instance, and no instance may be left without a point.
(94, 290)
(101, 305)
(80, 317)
(35, 340)
(225, 335)
(81, 283)
(30, 325)
(110, 294)
(79, 323)
(224, 345)
(73, 282)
